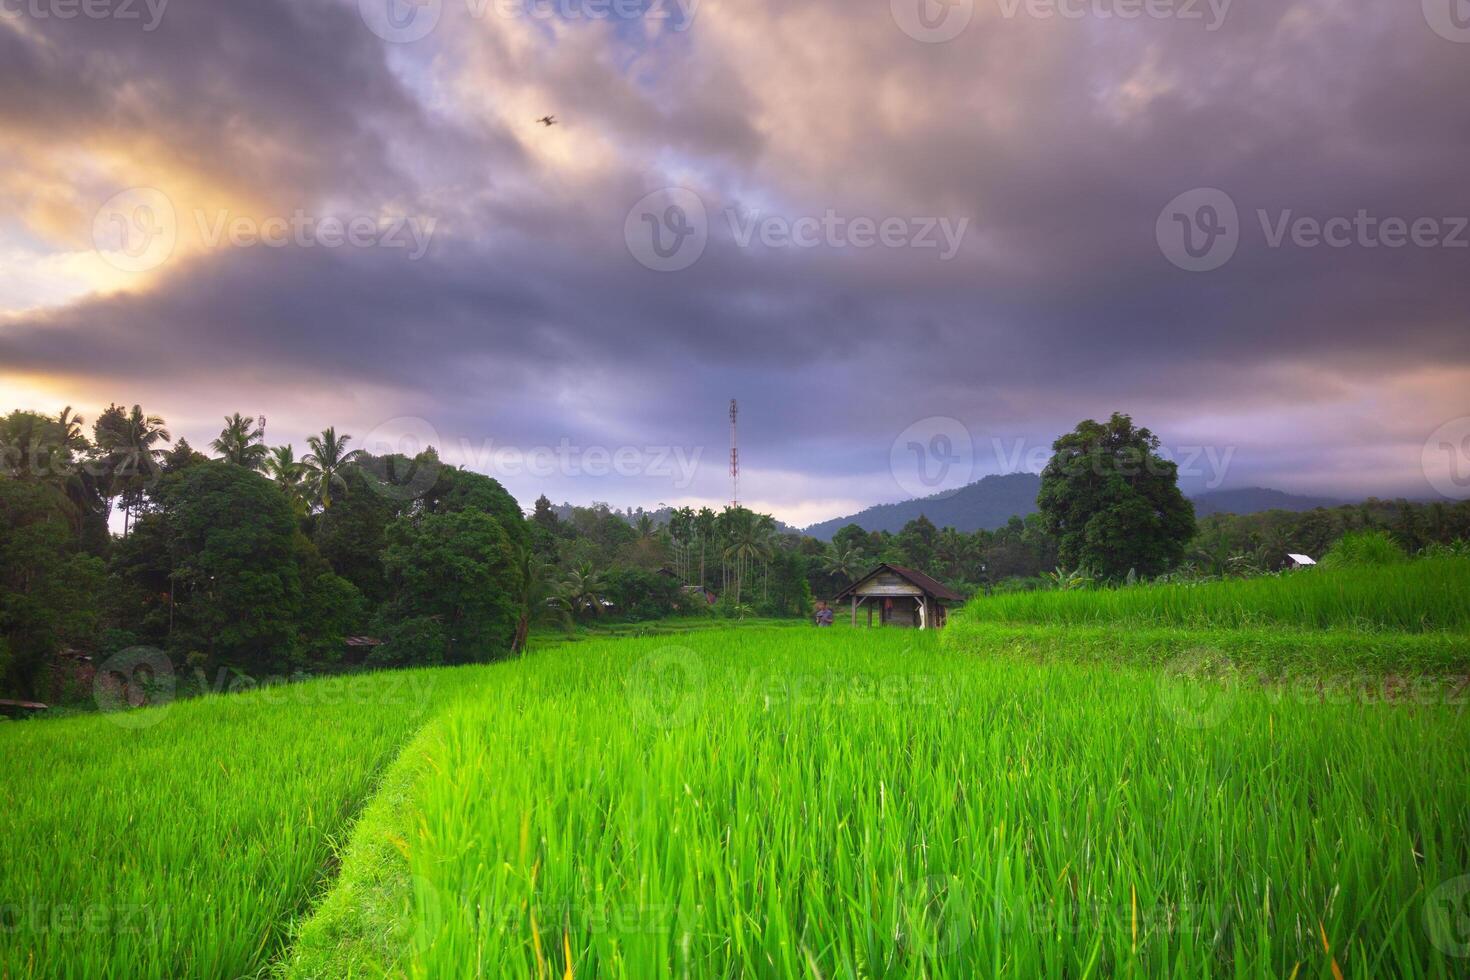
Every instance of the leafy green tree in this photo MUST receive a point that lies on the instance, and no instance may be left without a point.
(352, 535)
(916, 543)
(241, 442)
(332, 609)
(232, 539)
(49, 589)
(458, 569)
(1113, 503)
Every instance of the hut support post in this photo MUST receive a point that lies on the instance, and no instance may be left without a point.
(854, 610)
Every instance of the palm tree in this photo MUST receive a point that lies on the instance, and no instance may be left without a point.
(539, 598)
(583, 590)
(848, 563)
(328, 457)
(241, 442)
(747, 545)
(288, 472)
(130, 444)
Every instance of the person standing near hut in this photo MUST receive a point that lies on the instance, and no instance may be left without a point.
(824, 615)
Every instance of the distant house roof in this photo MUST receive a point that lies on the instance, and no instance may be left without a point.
(363, 641)
(1302, 559)
(931, 587)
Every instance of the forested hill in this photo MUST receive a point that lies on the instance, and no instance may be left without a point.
(987, 504)
(990, 502)
(1253, 500)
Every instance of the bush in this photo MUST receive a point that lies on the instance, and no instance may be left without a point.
(417, 642)
(1358, 548)
(637, 595)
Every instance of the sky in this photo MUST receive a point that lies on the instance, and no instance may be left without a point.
(916, 239)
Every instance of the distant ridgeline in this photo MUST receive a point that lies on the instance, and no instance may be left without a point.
(989, 503)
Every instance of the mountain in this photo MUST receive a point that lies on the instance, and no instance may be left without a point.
(987, 503)
(1253, 500)
(991, 502)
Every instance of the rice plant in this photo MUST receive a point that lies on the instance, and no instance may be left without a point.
(178, 841)
(872, 804)
(1415, 596)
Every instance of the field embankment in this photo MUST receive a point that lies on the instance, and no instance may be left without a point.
(179, 841)
(871, 803)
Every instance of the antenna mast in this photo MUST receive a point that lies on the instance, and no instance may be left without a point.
(734, 457)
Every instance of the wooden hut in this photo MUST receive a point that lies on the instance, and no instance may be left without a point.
(903, 597)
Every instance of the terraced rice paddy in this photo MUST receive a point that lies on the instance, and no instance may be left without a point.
(1011, 799)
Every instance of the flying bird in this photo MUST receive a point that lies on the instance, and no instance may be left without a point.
(547, 120)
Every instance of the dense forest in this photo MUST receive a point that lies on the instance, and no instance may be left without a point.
(249, 560)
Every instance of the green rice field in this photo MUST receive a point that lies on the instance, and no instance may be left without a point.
(180, 840)
(1005, 798)
(1424, 595)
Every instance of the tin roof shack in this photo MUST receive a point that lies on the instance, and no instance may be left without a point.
(903, 597)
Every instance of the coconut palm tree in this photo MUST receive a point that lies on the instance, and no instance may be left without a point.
(130, 443)
(288, 472)
(241, 442)
(329, 456)
(847, 563)
(539, 597)
(583, 590)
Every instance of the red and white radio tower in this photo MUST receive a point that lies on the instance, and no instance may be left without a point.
(734, 457)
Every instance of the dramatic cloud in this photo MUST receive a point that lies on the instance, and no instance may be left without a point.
(352, 218)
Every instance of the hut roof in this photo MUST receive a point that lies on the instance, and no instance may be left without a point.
(931, 587)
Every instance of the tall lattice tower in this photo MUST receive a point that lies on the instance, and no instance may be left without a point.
(734, 457)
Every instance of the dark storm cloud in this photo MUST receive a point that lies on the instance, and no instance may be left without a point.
(1059, 141)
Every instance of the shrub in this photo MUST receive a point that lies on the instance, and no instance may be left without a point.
(1363, 548)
